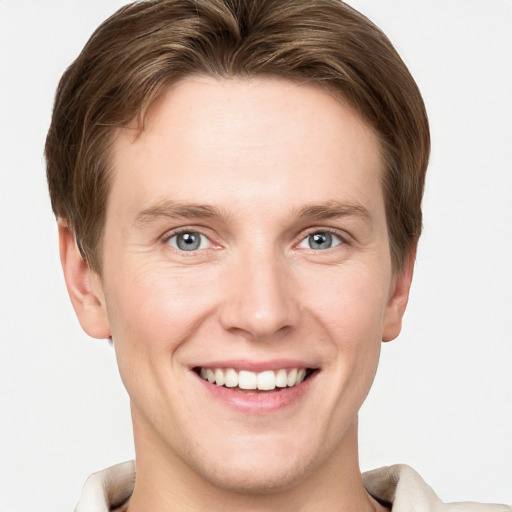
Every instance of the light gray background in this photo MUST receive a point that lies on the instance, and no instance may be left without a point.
(443, 395)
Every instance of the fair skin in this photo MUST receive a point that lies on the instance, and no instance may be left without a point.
(245, 230)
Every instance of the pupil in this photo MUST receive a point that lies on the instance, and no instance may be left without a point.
(188, 241)
(320, 241)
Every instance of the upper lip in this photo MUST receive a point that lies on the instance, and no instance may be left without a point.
(255, 366)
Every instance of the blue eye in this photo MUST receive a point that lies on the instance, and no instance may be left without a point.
(189, 241)
(320, 241)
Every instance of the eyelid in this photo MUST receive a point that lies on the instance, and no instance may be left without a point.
(165, 238)
(345, 238)
(202, 238)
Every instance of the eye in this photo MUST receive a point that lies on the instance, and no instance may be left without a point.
(320, 241)
(189, 241)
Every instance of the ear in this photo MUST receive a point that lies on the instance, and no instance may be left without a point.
(399, 295)
(84, 287)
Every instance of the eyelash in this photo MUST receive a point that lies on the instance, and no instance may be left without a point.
(173, 234)
(341, 236)
(344, 239)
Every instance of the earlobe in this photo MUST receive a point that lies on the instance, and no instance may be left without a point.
(399, 295)
(84, 287)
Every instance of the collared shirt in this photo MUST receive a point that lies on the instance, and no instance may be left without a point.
(398, 487)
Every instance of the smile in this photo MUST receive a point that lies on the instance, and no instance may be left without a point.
(267, 380)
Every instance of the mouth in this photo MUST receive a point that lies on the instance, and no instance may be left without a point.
(245, 381)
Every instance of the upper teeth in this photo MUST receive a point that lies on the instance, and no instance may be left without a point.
(244, 379)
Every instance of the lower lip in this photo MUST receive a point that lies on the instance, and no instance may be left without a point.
(266, 402)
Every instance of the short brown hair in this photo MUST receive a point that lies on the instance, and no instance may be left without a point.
(147, 46)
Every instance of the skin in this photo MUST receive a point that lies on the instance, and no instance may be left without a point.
(259, 154)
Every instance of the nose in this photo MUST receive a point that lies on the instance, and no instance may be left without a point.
(259, 297)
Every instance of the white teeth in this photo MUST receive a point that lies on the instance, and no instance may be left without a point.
(281, 378)
(247, 380)
(292, 378)
(219, 377)
(231, 378)
(264, 381)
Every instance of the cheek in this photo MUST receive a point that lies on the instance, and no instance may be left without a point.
(154, 312)
(152, 315)
(351, 303)
(352, 312)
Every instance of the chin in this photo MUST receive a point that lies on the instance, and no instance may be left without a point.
(255, 478)
(260, 464)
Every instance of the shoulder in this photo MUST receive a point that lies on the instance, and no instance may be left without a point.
(398, 486)
(404, 489)
(108, 489)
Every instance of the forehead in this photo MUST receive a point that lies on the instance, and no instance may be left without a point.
(228, 140)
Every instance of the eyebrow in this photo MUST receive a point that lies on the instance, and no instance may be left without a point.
(335, 210)
(170, 209)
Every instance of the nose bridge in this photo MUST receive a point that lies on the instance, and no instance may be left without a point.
(260, 298)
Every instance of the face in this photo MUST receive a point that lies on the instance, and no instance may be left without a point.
(246, 278)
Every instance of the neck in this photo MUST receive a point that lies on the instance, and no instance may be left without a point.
(167, 482)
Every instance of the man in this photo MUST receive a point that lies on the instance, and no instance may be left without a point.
(238, 187)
